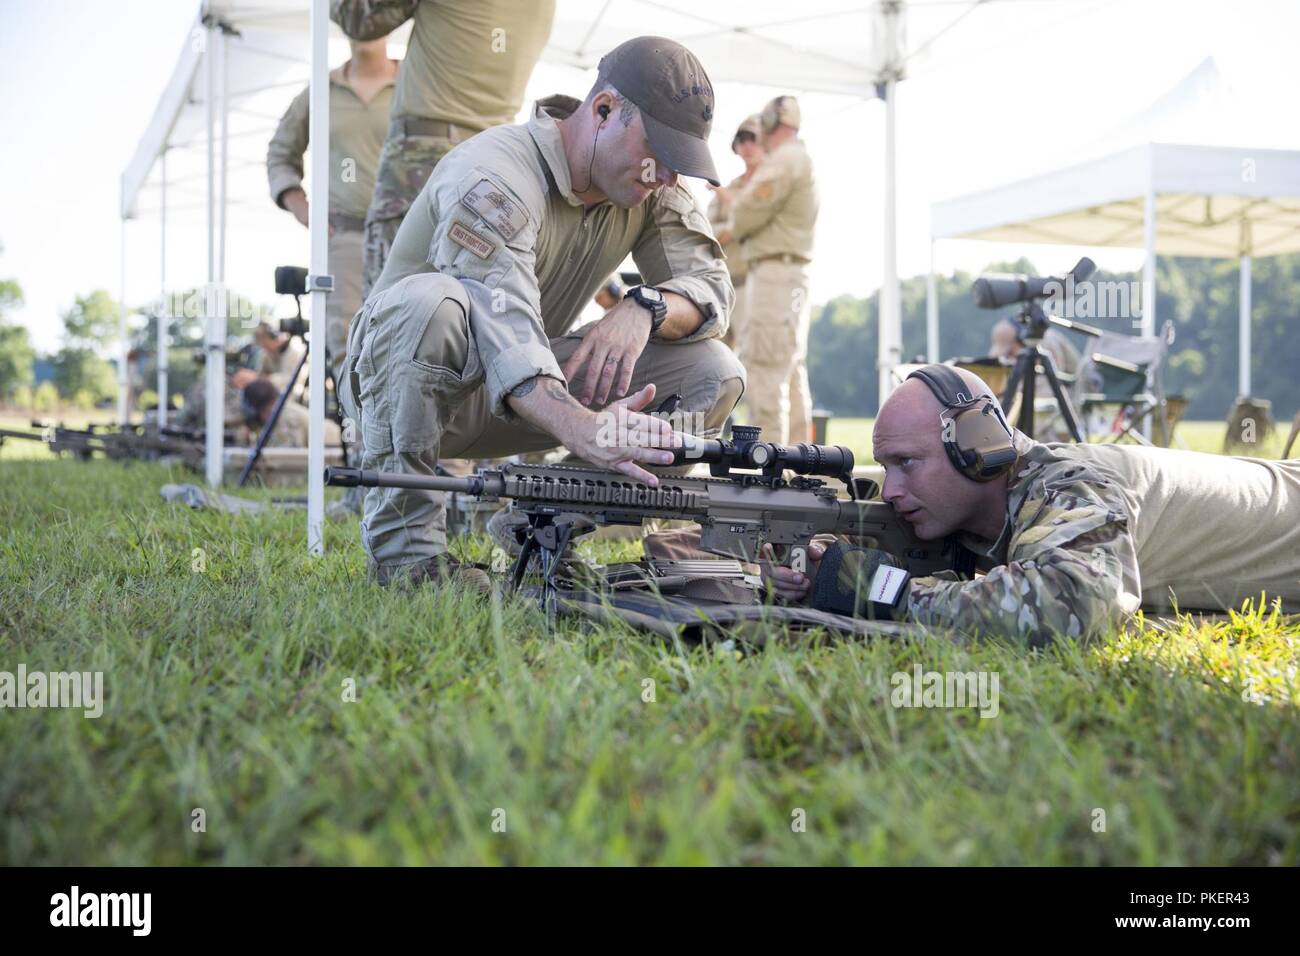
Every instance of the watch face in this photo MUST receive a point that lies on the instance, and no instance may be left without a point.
(652, 293)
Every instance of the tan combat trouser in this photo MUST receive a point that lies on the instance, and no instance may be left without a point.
(345, 247)
(773, 347)
(405, 164)
(419, 396)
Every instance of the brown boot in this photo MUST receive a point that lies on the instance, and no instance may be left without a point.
(443, 570)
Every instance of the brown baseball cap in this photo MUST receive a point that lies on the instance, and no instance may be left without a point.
(668, 84)
(753, 125)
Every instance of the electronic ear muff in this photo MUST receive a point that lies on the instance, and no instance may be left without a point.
(979, 442)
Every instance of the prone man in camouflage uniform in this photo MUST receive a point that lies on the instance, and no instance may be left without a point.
(1075, 536)
(465, 70)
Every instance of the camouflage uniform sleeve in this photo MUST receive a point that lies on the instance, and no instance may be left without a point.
(1071, 571)
(371, 19)
(284, 154)
(761, 199)
(677, 252)
(485, 231)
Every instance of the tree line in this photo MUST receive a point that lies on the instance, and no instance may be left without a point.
(1200, 296)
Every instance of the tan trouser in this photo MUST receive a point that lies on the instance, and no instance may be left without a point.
(419, 395)
(773, 347)
(341, 304)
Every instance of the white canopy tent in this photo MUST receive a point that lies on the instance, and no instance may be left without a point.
(243, 59)
(241, 63)
(1221, 201)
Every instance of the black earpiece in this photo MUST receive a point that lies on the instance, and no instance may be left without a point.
(603, 110)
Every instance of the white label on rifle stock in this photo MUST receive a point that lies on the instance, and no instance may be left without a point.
(799, 559)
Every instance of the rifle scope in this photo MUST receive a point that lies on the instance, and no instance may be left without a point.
(745, 451)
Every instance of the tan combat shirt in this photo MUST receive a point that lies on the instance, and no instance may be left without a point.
(720, 219)
(775, 214)
(1093, 529)
(357, 132)
(280, 363)
(499, 209)
(468, 61)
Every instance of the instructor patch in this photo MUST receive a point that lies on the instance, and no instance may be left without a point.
(469, 239)
(498, 210)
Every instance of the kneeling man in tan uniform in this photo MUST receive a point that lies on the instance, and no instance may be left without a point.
(465, 347)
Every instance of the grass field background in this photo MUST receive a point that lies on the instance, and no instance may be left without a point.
(476, 737)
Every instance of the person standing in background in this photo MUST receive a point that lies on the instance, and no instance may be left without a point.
(746, 145)
(465, 70)
(773, 220)
(361, 92)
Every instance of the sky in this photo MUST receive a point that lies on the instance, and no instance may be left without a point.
(1012, 88)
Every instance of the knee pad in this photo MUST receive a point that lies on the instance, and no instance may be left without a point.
(440, 305)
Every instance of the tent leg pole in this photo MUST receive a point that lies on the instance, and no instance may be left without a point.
(1149, 267)
(931, 313)
(164, 309)
(123, 373)
(1149, 275)
(890, 338)
(318, 223)
(1243, 336)
(215, 333)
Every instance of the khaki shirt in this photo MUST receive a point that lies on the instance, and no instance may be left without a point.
(291, 428)
(357, 132)
(467, 62)
(720, 219)
(500, 210)
(1092, 530)
(280, 363)
(775, 213)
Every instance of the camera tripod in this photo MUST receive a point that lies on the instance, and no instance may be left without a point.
(1032, 362)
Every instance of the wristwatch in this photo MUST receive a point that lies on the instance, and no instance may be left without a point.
(652, 299)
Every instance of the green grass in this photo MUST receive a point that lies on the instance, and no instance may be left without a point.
(225, 692)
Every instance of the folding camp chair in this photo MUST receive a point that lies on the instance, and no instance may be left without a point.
(1126, 373)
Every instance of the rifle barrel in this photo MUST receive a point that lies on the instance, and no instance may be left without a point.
(366, 478)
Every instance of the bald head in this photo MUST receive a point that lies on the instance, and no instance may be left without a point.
(920, 481)
(913, 406)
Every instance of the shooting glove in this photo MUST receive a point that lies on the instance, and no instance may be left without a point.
(861, 582)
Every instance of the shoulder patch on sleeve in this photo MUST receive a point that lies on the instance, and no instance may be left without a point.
(467, 238)
(676, 198)
(500, 211)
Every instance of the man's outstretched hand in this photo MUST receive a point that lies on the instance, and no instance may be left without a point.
(624, 438)
(621, 437)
